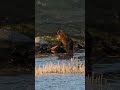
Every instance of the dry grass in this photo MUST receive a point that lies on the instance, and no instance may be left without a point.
(98, 83)
(59, 69)
(92, 80)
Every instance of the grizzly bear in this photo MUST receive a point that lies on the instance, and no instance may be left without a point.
(66, 41)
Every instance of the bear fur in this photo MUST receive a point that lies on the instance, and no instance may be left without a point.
(66, 41)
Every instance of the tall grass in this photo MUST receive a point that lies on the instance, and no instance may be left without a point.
(59, 68)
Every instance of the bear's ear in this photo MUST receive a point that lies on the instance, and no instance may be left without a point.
(60, 31)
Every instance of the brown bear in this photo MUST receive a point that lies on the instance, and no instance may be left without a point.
(66, 41)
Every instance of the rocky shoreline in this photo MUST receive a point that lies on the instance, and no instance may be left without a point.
(41, 55)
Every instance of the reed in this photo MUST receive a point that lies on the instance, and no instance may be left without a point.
(59, 69)
(98, 83)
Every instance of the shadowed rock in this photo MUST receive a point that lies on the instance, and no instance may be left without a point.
(13, 37)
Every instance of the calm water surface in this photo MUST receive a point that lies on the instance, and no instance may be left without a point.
(60, 81)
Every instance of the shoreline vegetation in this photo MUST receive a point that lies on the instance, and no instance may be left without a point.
(98, 82)
(58, 68)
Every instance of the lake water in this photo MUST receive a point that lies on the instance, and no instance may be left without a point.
(60, 81)
(46, 82)
(22, 82)
(55, 59)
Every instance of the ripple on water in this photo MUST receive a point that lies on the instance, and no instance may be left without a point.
(60, 82)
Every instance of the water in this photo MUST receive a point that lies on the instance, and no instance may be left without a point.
(55, 59)
(22, 82)
(60, 81)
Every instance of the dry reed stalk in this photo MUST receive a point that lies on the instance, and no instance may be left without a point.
(98, 83)
(95, 80)
(59, 68)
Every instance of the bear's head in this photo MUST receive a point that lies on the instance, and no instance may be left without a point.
(61, 35)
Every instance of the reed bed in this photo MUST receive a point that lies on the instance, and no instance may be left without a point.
(59, 68)
(98, 83)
